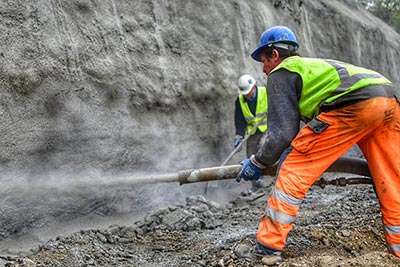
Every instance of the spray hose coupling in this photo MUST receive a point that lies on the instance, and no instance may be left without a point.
(183, 176)
(342, 181)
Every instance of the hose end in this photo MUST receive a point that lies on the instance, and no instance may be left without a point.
(238, 178)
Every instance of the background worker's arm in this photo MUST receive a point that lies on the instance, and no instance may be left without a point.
(240, 122)
(284, 90)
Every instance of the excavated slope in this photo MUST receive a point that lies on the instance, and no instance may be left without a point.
(96, 89)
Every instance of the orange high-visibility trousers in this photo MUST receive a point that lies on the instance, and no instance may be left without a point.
(374, 125)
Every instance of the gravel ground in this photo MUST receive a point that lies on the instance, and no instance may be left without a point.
(336, 226)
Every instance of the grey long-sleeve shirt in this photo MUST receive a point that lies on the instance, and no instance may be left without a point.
(284, 91)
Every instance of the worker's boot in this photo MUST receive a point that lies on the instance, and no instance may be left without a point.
(244, 251)
(268, 256)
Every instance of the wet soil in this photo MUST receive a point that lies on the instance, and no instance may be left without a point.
(336, 226)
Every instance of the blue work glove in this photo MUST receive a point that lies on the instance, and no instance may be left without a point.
(250, 171)
(238, 140)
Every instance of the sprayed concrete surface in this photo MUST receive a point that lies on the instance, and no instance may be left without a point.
(93, 91)
(336, 227)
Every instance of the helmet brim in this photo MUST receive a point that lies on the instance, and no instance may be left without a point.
(256, 54)
(240, 92)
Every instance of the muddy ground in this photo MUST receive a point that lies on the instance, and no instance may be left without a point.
(336, 226)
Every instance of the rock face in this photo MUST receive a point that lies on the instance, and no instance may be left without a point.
(150, 85)
(100, 88)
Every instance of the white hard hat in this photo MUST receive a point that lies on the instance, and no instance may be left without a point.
(246, 83)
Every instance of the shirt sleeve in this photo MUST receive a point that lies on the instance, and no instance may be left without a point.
(240, 122)
(284, 91)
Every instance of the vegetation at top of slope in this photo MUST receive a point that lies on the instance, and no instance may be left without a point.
(386, 10)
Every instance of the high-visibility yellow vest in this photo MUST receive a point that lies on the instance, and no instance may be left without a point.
(261, 111)
(325, 80)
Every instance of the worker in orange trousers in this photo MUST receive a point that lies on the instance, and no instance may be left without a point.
(342, 105)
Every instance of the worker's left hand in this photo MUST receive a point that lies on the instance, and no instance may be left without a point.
(238, 140)
(250, 171)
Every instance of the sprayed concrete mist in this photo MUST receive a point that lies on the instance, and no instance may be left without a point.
(34, 211)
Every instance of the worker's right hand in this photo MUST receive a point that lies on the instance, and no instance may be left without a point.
(250, 171)
(238, 140)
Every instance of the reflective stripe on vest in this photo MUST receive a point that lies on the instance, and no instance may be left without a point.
(261, 110)
(348, 80)
(326, 80)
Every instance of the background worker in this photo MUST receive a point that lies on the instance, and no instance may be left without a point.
(343, 105)
(251, 110)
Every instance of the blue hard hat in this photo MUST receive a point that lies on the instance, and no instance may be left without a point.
(276, 35)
